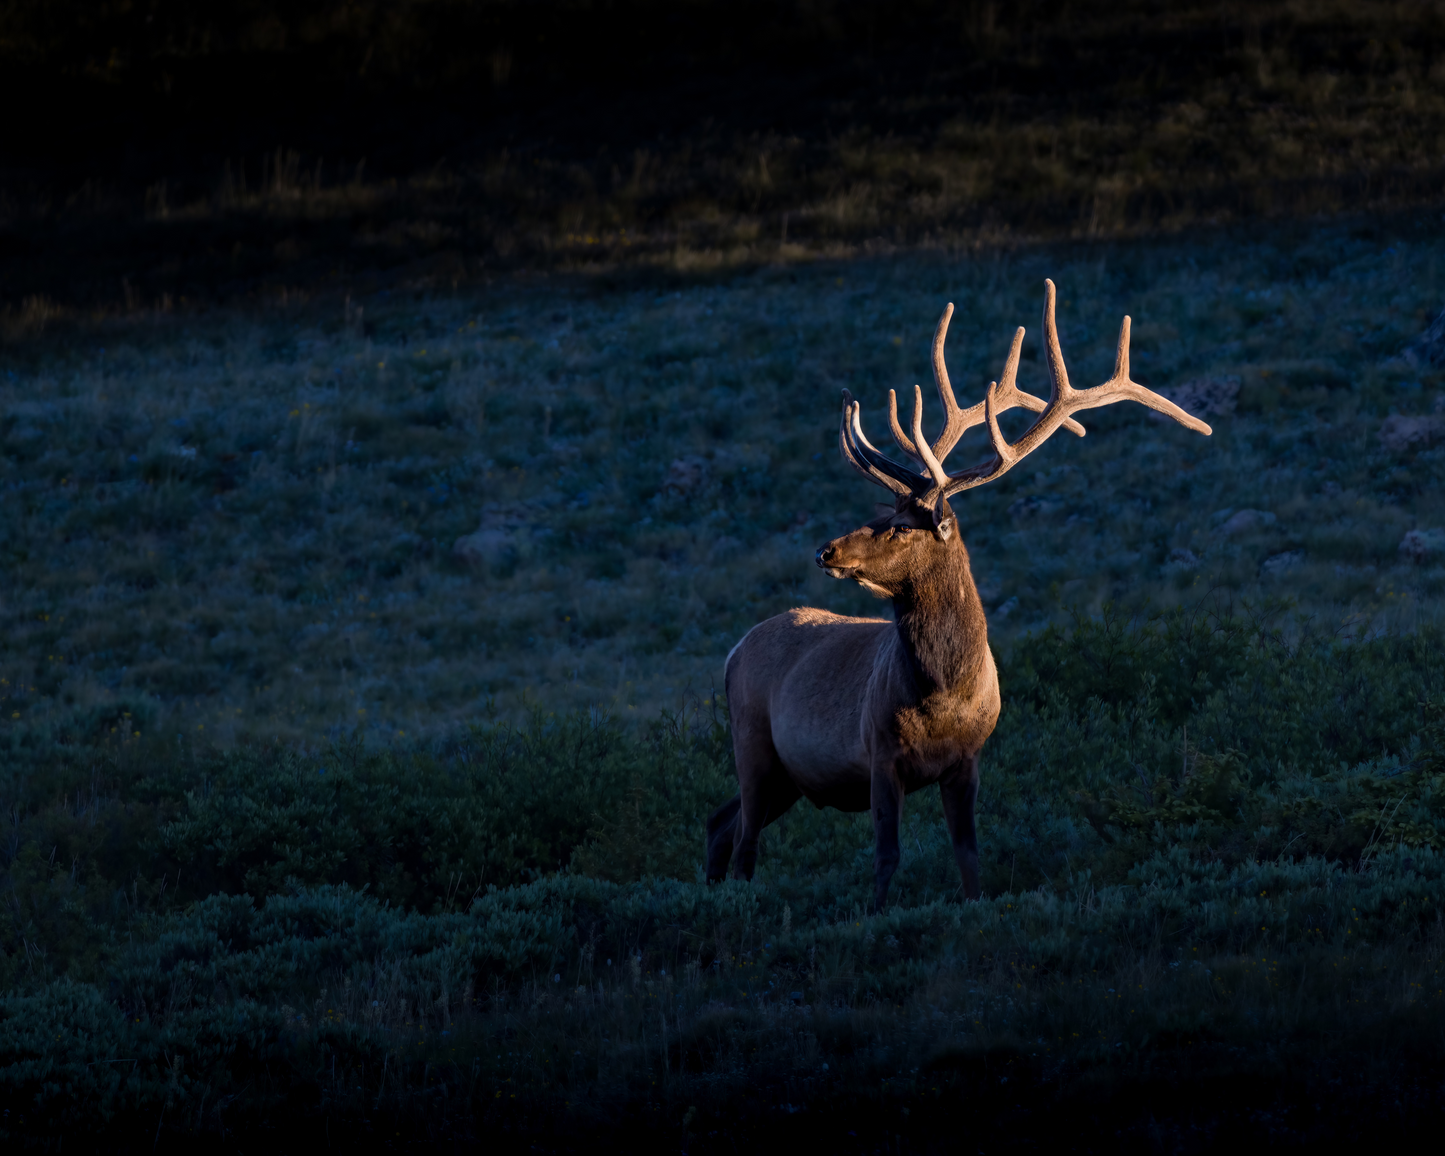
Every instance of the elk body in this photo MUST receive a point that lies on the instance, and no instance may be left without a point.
(855, 713)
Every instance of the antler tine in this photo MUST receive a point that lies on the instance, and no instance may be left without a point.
(935, 467)
(905, 443)
(955, 420)
(959, 421)
(1003, 452)
(1121, 387)
(1004, 455)
(860, 454)
(1063, 400)
(850, 453)
(1121, 351)
(875, 457)
(1059, 388)
(1011, 363)
(1010, 395)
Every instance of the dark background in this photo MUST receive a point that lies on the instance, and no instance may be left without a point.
(162, 150)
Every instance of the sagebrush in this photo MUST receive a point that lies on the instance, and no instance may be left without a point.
(1201, 833)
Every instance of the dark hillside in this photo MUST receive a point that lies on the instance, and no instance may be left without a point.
(202, 151)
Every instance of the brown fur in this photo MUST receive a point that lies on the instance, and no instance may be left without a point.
(857, 712)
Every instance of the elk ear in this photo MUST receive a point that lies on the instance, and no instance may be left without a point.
(944, 524)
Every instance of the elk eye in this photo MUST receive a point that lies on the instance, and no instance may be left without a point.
(903, 529)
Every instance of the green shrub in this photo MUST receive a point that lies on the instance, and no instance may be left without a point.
(1184, 840)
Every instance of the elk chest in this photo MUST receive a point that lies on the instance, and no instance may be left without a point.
(934, 736)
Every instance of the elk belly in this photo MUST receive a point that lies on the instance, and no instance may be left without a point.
(816, 716)
(818, 754)
(849, 796)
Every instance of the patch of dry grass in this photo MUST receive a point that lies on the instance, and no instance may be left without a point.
(472, 138)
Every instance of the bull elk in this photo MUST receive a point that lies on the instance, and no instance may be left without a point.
(855, 713)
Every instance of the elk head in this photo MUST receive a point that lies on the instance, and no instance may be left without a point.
(894, 550)
(886, 554)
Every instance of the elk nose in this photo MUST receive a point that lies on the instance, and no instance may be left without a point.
(826, 554)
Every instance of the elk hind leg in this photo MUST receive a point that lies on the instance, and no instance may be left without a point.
(764, 799)
(721, 832)
(959, 790)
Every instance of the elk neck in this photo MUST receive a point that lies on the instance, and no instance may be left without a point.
(940, 621)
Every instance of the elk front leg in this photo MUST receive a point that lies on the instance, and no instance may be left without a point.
(887, 806)
(959, 789)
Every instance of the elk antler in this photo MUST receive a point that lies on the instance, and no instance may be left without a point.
(959, 421)
(860, 453)
(1002, 395)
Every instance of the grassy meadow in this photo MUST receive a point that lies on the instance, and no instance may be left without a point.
(361, 714)
(239, 525)
(1212, 906)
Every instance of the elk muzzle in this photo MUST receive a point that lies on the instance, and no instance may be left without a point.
(835, 558)
(874, 556)
(827, 559)
(843, 557)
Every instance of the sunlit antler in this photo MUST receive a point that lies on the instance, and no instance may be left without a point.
(1001, 395)
(860, 453)
(957, 421)
(1064, 400)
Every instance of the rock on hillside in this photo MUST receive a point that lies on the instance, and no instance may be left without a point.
(686, 474)
(1421, 546)
(1242, 520)
(1429, 347)
(1203, 397)
(1401, 432)
(1279, 563)
(497, 536)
